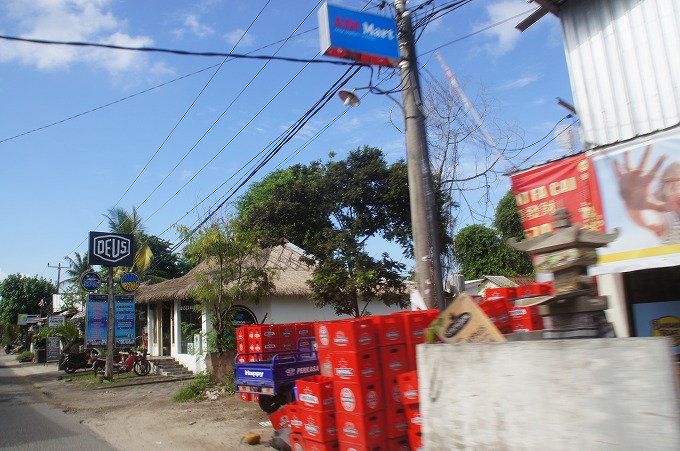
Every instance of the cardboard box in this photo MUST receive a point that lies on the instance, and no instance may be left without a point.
(464, 322)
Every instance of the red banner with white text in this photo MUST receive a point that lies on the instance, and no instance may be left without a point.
(569, 183)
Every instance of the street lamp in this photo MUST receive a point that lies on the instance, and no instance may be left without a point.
(424, 214)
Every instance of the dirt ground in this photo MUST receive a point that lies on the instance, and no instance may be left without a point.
(134, 417)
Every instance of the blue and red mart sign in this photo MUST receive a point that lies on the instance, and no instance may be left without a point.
(350, 34)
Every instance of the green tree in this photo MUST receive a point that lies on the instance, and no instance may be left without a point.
(23, 294)
(234, 272)
(480, 250)
(78, 264)
(332, 210)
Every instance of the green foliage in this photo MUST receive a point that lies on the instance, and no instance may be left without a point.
(331, 210)
(74, 298)
(21, 294)
(230, 383)
(481, 250)
(26, 356)
(234, 272)
(67, 332)
(10, 332)
(507, 220)
(193, 390)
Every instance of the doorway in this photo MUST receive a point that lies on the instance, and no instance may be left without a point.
(166, 328)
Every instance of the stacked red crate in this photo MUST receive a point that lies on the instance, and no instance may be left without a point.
(348, 352)
(415, 322)
(526, 319)
(498, 311)
(408, 384)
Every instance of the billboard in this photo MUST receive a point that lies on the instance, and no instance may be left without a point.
(640, 190)
(569, 183)
(359, 36)
(111, 249)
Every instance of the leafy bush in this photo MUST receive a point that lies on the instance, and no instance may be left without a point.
(230, 383)
(194, 389)
(26, 356)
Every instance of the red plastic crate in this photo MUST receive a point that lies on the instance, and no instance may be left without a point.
(389, 329)
(288, 344)
(322, 334)
(415, 438)
(352, 397)
(396, 424)
(319, 426)
(408, 387)
(304, 330)
(363, 430)
(315, 393)
(415, 323)
(286, 331)
(297, 442)
(352, 334)
(295, 417)
(245, 396)
(254, 332)
(498, 312)
(355, 366)
(415, 421)
(398, 444)
(526, 319)
(504, 293)
(393, 360)
(280, 419)
(354, 447)
(543, 288)
(311, 445)
(325, 363)
(392, 392)
(523, 291)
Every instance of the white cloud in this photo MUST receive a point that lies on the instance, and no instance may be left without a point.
(521, 82)
(196, 27)
(505, 35)
(240, 37)
(3, 275)
(69, 20)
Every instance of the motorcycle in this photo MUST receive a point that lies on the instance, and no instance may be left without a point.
(135, 361)
(76, 360)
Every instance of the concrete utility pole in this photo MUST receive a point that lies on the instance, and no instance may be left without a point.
(424, 214)
(59, 268)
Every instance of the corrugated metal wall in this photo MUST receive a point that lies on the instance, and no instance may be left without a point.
(624, 63)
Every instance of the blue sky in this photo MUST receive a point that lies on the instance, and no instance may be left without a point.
(85, 129)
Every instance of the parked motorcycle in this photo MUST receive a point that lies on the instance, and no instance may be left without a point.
(76, 360)
(135, 361)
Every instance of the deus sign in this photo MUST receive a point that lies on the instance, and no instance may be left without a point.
(111, 249)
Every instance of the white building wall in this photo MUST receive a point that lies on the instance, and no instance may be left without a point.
(611, 285)
(624, 65)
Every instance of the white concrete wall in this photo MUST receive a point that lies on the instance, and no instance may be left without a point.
(611, 285)
(598, 394)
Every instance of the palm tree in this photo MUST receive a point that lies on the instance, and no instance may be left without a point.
(120, 221)
(78, 264)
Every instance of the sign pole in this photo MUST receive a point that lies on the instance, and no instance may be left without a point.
(111, 329)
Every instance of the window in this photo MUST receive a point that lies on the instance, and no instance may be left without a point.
(190, 322)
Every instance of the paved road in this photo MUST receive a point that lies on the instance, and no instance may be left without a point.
(27, 423)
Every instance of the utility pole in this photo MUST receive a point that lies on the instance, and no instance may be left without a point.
(59, 268)
(424, 214)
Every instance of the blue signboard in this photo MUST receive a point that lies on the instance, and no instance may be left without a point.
(125, 320)
(658, 319)
(359, 36)
(96, 331)
(97, 320)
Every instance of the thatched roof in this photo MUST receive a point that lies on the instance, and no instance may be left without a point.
(290, 280)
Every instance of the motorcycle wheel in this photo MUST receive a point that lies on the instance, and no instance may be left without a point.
(69, 368)
(142, 367)
(98, 368)
(269, 404)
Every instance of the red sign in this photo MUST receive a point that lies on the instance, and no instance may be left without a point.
(570, 183)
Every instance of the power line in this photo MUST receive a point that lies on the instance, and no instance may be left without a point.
(176, 52)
